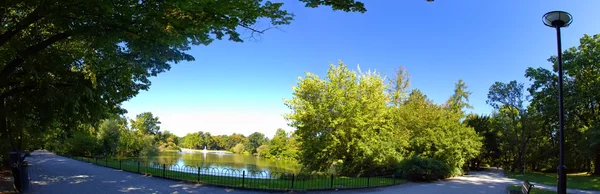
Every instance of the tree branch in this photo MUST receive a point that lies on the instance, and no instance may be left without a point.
(28, 20)
(12, 65)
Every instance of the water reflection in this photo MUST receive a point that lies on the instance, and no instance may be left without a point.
(225, 164)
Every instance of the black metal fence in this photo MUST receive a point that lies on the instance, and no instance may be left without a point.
(264, 180)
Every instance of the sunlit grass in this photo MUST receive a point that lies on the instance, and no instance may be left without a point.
(574, 181)
(326, 182)
(533, 190)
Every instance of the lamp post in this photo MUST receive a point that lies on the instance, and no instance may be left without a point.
(559, 19)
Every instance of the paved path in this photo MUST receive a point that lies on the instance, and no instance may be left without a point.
(55, 174)
(52, 174)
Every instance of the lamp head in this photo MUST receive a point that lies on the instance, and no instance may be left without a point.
(557, 19)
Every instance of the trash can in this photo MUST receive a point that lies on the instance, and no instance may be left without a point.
(19, 171)
(24, 173)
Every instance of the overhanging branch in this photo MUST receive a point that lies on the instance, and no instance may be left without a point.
(12, 65)
(28, 20)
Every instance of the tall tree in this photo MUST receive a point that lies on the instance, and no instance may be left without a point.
(255, 140)
(340, 121)
(508, 99)
(459, 101)
(146, 123)
(399, 86)
(109, 134)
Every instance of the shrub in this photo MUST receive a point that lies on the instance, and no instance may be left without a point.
(423, 169)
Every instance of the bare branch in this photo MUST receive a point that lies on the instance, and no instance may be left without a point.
(254, 32)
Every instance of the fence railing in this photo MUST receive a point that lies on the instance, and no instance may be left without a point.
(244, 178)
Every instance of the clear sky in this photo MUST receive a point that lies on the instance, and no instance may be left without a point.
(239, 87)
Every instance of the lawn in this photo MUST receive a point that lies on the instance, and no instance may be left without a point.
(574, 181)
(189, 174)
(533, 190)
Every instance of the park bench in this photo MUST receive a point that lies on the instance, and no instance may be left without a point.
(525, 189)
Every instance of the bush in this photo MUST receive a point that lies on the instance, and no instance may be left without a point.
(238, 148)
(423, 169)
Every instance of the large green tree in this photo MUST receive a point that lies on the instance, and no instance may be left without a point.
(508, 99)
(255, 140)
(76, 61)
(340, 121)
(146, 123)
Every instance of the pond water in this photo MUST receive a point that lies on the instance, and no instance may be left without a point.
(223, 163)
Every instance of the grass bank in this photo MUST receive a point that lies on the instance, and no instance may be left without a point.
(200, 151)
(231, 179)
(574, 181)
(533, 190)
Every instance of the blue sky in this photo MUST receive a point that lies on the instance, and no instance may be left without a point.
(239, 87)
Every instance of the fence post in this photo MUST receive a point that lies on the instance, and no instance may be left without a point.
(198, 174)
(394, 177)
(120, 165)
(293, 180)
(332, 181)
(243, 177)
(164, 170)
(96, 160)
(138, 166)
(106, 161)
(368, 181)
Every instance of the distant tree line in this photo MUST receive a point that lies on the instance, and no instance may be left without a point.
(281, 146)
(115, 138)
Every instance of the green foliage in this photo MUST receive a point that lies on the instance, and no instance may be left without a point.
(423, 169)
(282, 146)
(490, 151)
(354, 123)
(238, 148)
(146, 124)
(82, 144)
(66, 63)
(108, 135)
(255, 140)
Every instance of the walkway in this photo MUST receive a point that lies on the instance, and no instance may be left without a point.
(55, 174)
(52, 174)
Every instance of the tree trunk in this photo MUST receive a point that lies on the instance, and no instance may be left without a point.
(597, 161)
(4, 126)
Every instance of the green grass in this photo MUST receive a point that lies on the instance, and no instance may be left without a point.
(533, 190)
(574, 181)
(272, 184)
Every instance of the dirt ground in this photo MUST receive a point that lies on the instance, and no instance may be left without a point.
(6, 181)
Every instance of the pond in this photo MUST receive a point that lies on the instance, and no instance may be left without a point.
(223, 163)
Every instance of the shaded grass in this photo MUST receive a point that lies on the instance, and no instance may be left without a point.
(533, 190)
(222, 178)
(574, 181)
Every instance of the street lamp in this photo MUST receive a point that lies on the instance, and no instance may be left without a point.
(559, 19)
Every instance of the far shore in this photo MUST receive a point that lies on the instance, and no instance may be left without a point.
(201, 151)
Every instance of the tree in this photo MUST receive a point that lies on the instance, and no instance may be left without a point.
(235, 139)
(340, 119)
(399, 87)
(460, 99)
(108, 135)
(255, 140)
(508, 99)
(146, 123)
(436, 132)
(580, 91)
(490, 150)
(77, 61)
